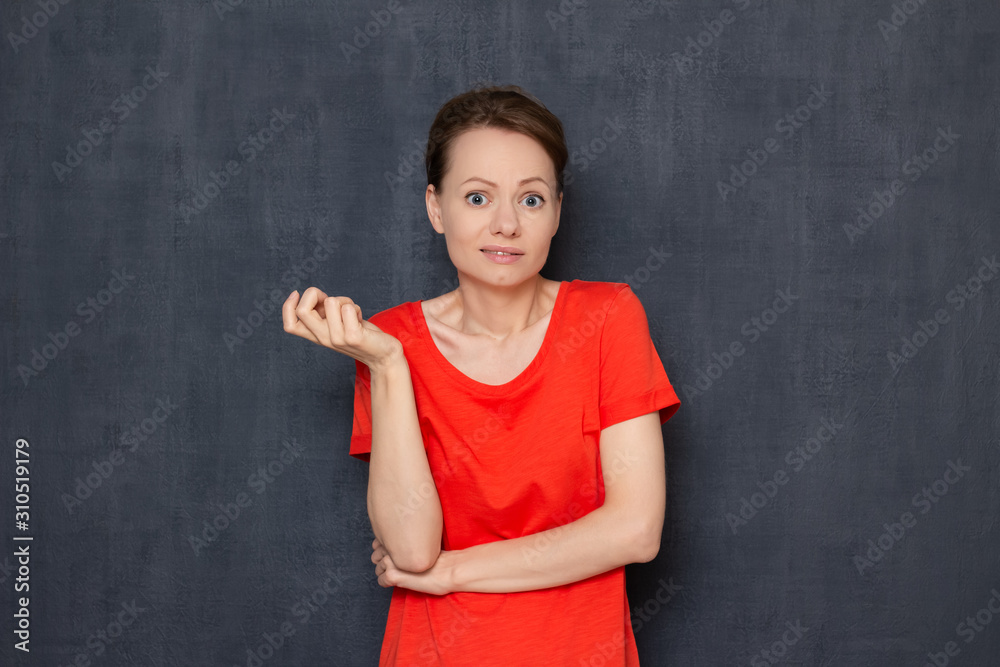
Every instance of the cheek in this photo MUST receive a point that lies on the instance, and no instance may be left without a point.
(460, 249)
(462, 232)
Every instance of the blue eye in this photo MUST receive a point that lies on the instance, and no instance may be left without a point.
(537, 198)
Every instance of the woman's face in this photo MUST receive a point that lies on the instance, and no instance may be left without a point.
(498, 191)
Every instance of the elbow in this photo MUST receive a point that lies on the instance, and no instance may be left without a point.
(409, 551)
(647, 543)
(646, 552)
(417, 562)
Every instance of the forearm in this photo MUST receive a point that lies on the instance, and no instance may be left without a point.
(403, 503)
(597, 542)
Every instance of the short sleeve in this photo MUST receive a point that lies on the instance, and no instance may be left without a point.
(632, 380)
(361, 433)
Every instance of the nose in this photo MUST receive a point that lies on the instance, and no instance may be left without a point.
(505, 219)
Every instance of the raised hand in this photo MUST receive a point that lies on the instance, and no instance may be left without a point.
(335, 322)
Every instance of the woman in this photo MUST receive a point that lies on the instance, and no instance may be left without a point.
(511, 426)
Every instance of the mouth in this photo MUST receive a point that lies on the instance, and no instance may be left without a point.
(501, 251)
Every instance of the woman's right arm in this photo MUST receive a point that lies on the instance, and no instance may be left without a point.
(403, 503)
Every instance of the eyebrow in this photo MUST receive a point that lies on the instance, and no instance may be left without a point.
(519, 183)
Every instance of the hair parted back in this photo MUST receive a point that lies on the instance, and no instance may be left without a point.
(504, 107)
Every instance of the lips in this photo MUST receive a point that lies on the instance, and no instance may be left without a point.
(495, 249)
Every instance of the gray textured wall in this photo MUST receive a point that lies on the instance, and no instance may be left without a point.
(833, 484)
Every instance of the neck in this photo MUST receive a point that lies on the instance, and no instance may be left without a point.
(499, 312)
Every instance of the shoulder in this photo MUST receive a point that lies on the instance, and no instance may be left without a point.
(596, 294)
(395, 319)
(612, 307)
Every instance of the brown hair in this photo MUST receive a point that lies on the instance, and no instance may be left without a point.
(503, 107)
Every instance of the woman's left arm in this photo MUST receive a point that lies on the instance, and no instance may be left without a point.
(625, 529)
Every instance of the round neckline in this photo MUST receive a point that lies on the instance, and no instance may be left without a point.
(550, 332)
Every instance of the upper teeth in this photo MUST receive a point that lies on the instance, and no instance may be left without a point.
(499, 252)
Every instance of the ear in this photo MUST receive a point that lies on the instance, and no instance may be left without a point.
(558, 212)
(433, 209)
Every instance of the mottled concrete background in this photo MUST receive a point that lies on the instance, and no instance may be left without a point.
(803, 195)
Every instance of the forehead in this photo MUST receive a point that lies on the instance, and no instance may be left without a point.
(499, 151)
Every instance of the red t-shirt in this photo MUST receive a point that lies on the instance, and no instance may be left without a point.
(519, 458)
